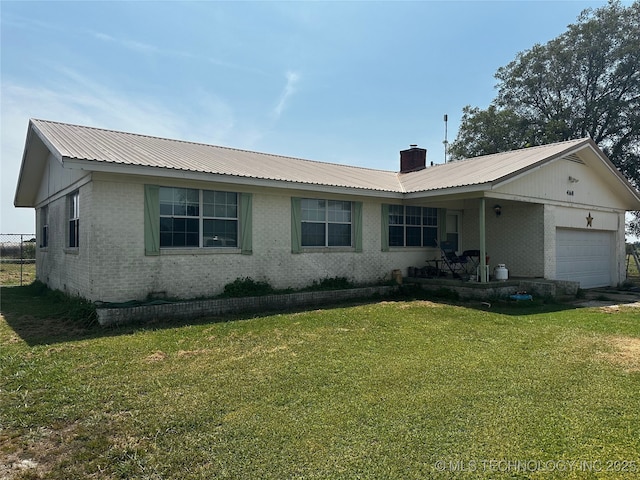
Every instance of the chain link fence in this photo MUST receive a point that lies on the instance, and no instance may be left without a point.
(17, 258)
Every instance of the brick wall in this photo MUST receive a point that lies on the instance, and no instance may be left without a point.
(212, 307)
(516, 238)
(111, 265)
(57, 265)
(120, 271)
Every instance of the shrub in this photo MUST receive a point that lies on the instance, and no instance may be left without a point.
(333, 283)
(246, 287)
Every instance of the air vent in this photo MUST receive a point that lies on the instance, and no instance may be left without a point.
(574, 158)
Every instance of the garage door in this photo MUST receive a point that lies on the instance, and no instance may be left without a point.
(584, 256)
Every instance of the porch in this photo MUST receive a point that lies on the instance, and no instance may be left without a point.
(537, 287)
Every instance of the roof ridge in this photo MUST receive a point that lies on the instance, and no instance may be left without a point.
(533, 147)
(190, 142)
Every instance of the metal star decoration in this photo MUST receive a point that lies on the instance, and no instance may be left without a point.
(589, 220)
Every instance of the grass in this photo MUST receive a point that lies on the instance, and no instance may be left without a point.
(16, 274)
(633, 273)
(395, 389)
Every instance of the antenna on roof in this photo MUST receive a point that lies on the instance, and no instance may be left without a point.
(446, 142)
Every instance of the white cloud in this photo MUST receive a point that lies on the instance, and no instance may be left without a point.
(290, 88)
(147, 49)
(126, 43)
(75, 98)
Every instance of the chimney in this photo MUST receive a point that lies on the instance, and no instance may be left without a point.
(413, 159)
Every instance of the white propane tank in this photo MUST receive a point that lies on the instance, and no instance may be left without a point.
(501, 273)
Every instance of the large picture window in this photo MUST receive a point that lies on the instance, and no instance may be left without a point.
(198, 218)
(74, 220)
(325, 223)
(411, 226)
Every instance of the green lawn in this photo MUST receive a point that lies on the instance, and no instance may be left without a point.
(17, 274)
(405, 389)
(632, 273)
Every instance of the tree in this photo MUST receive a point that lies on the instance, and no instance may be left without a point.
(584, 83)
(489, 131)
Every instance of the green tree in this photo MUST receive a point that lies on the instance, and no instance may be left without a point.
(489, 131)
(584, 83)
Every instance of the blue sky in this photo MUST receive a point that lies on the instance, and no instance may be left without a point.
(344, 82)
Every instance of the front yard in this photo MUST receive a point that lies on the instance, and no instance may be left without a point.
(393, 389)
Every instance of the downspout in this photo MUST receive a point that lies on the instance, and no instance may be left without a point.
(483, 246)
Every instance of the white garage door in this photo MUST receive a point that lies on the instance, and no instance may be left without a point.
(584, 256)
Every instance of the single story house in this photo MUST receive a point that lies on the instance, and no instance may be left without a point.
(122, 216)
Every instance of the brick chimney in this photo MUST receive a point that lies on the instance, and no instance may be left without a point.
(413, 159)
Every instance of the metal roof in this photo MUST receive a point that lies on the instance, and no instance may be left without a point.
(487, 169)
(100, 149)
(119, 148)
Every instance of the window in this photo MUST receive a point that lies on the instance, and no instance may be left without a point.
(325, 223)
(411, 226)
(453, 229)
(198, 218)
(74, 220)
(44, 227)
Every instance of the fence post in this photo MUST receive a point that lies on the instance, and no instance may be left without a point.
(21, 258)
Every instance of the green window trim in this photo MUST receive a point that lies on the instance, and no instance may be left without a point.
(246, 223)
(357, 226)
(151, 220)
(385, 227)
(296, 225)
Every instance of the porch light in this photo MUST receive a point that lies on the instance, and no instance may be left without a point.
(498, 210)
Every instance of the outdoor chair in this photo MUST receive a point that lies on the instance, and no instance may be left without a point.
(473, 259)
(458, 265)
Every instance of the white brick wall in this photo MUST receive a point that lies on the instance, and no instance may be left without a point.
(60, 267)
(516, 238)
(111, 264)
(120, 271)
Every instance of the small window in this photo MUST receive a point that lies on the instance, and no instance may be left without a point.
(74, 220)
(326, 223)
(44, 227)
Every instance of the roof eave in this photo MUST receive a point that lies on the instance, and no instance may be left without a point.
(36, 149)
(633, 194)
(631, 190)
(455, 190)
(539, 164)
(163, 172)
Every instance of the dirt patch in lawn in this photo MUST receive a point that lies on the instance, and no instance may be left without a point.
(34, 454)
(156, 357)
(617, 308)
(625, 353)
(413, 304)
